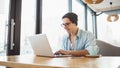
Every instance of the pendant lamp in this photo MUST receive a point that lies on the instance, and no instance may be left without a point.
(112, 17)
(93, 1)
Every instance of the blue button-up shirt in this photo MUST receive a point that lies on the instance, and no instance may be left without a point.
(84, 40)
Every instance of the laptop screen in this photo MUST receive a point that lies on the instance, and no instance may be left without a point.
(40, 45)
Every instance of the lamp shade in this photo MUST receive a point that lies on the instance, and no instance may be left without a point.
(112, 17)
(93, 1)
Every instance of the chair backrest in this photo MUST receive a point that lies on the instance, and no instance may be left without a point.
(107, 49)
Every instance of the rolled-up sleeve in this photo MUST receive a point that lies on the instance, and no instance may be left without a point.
(91, 45)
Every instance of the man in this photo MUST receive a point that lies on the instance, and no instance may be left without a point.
(77, 42)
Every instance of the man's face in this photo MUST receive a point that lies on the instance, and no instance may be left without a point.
(68, 25)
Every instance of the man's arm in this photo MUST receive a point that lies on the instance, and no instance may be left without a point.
(74, 53)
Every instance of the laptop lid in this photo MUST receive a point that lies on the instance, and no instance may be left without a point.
(40, 45)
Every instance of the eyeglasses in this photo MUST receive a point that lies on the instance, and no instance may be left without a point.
(65, 24)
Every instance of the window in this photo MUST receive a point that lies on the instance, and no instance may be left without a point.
(52, 13)
(4, 8)
(28, 20)
(108, 31)
(89, 18)
(79, 10)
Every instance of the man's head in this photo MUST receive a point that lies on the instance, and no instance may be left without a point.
(72, 17)
(70, 22)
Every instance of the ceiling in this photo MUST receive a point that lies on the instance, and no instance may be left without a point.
(105, 5)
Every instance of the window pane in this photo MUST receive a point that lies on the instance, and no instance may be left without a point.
(4, 8)
(90, 26)
(79, 10)
(53, 10)
(108, 31)
(28, 20)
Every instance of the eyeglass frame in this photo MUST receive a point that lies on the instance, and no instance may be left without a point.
(65, 24)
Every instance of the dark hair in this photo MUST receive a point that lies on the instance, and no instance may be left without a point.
(72, 16)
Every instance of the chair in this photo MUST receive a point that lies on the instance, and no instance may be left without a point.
(107, 49)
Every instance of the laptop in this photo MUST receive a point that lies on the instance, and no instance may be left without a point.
(41, 46)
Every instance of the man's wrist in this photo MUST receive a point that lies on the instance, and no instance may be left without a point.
(69, 52)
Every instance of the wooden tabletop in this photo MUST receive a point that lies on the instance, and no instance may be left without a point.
(30, 61)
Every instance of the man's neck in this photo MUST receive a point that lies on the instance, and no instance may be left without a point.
(74, 33)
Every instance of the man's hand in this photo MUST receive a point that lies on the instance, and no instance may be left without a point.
(63, 52)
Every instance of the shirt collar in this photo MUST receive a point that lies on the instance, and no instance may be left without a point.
(78, 34)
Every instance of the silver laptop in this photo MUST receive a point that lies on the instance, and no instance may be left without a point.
(41, 46)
